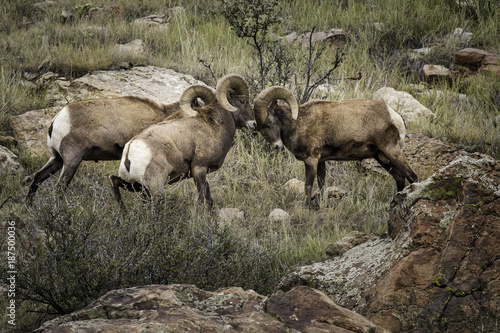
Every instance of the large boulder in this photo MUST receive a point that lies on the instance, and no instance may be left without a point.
(185, 308)
(439, 269)
(159, 84)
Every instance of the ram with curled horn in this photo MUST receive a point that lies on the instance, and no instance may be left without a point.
(98, 129)
(320, 130)
(179, 148)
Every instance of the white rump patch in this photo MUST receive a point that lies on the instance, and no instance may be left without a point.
(139, 154)
(60, 129)
(398, 121)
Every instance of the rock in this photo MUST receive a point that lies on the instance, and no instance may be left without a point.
(333, 37)
(134, 48)
(423, 51)
(439, 271)
(44, 4)
(296, 186)
(185, 308)
(126, 65)
(354, 238)
(404, 104)
(278, 215)
(334, 192)
(464, 37)
(155, 21)
(480, 60)
(425, 155)
(159, 84)
(304, 309)
(9, 163)
(227, 215)
(94, 29)
(31, 129)
(436, 73)
(428, 155)
(172, 308)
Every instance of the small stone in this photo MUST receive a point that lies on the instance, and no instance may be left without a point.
(295, 185)
(135, 47)
(278, 215)
(126, 65)
(231, 214)
(436, 72)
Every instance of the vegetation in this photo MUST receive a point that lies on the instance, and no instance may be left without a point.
(74, 247)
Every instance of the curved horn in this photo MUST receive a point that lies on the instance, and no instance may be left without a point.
(231, 81)
(207, 94)
(269, 95)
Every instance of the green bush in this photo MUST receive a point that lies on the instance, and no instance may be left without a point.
(77, 246)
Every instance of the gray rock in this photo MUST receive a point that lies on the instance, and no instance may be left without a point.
(295, 186)
(152, 21)
(404, 104)
(134, 48)
(159, 84)
(227, 215)
(436, 72)
(9, 163)
(185, 308)
(279, 215)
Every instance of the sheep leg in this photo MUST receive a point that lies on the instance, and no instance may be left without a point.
(321, 174)
(54, 164)
(117, 183)
(311, 165)
(199, 175)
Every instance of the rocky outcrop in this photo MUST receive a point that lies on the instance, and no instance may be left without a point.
(439, 269)
(427, 155)
(159, 84)
(185, 308)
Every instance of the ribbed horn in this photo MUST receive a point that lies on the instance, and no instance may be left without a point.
(207, 94)
(269, 95)
(231, 81)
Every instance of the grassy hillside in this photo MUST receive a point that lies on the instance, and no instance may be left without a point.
(77, 246)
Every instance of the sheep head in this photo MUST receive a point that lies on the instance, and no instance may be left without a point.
(233, 94)
(265, 106)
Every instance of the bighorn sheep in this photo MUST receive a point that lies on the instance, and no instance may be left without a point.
(172, 150)
(320, 130)
(98, 130)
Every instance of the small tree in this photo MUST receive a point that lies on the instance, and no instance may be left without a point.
(253, 19)
(278, 61)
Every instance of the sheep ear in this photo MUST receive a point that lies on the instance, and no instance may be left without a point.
(272, 105)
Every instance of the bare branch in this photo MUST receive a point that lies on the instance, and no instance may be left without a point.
(208, 66)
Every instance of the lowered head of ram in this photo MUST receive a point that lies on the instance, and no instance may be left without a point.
(321, 130)
(179, 148)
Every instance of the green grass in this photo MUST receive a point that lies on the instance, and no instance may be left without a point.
(60, 230)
